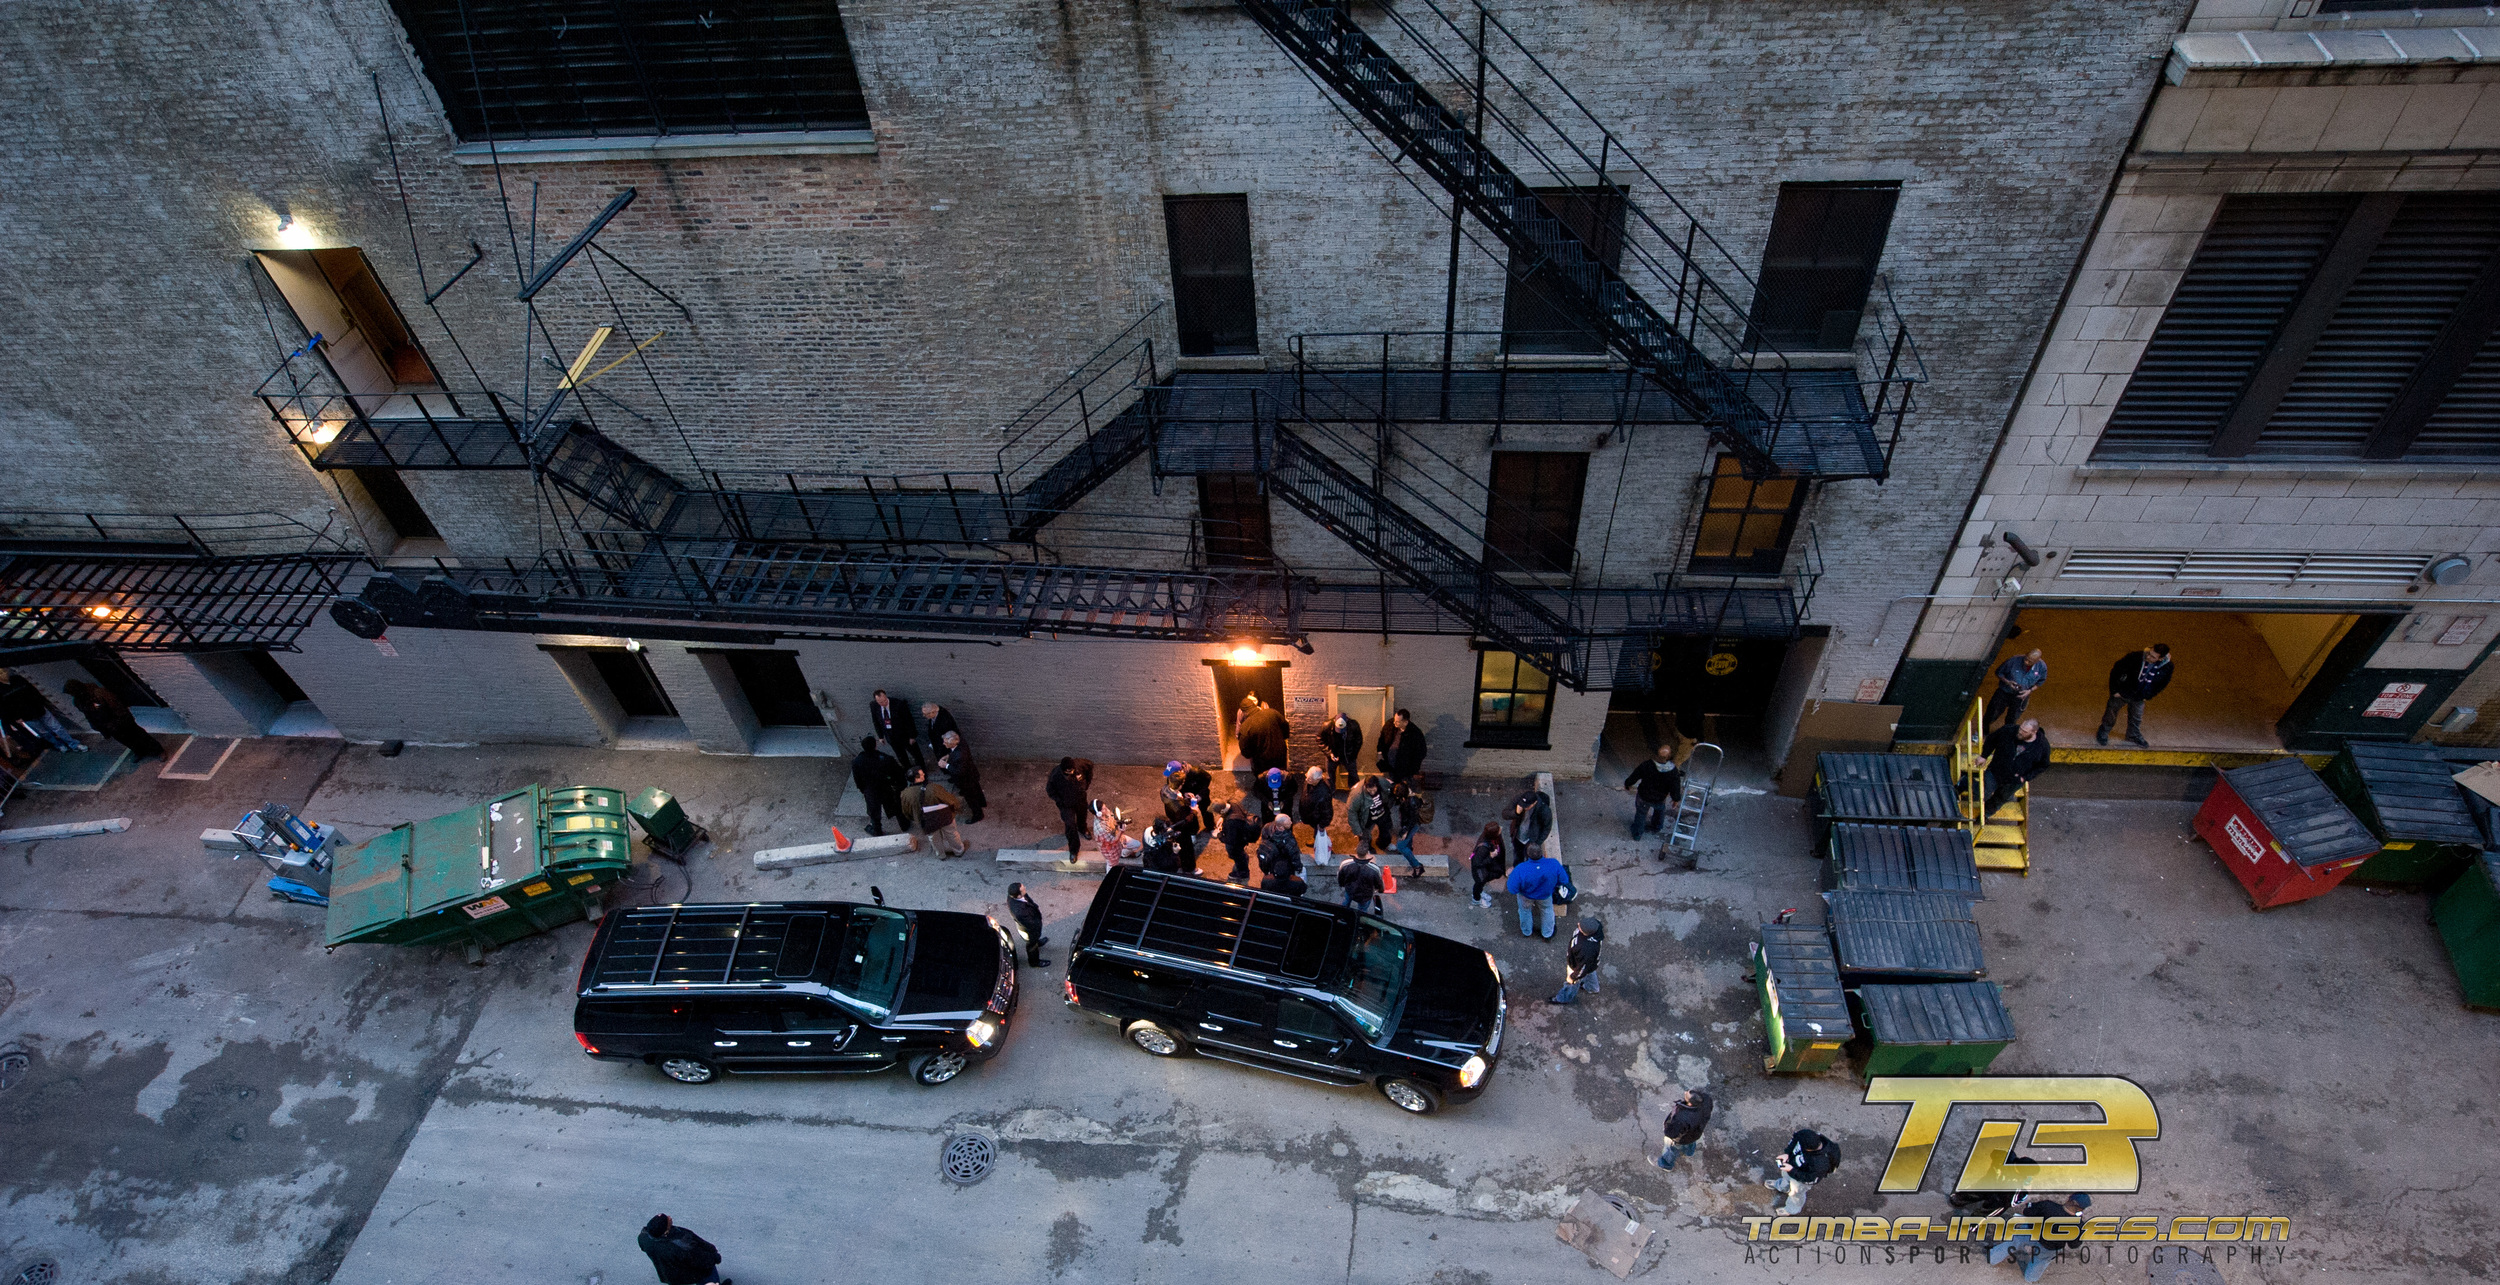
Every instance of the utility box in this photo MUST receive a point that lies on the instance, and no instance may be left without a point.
(483, 876)
(2468, 916)
(2282, 833)
(1942, 1028)
(1901, 858)
(1805, 1019)
(2408, 796)
(664, 823)
(1905, 937)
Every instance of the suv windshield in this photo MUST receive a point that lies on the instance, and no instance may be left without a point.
(869, 968)
(1375, 975)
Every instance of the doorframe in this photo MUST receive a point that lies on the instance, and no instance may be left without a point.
(1224, 717)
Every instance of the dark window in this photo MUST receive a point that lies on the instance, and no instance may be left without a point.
(397, 505)
(521, 69)
(1532, 518)
(1232, 519)
(774, 688)
(269, 671)
(1514, 701)
(630, 680)
(1296, 1016)
(1745, 524)
(634, 1017)
(799, 944)
(801, 1015)
(1306, 946)
(2326, 327)
(113, 676)
(1245, 1004)
(1120, 980)
(1819, 263)
(1213, 301)
(1541, 311)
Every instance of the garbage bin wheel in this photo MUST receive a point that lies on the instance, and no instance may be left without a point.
(1156, 1040)
(1410, 1096)
(685, 1068)
(937, 1068)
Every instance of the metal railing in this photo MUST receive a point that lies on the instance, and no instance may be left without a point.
(432, 426)
(1066, 417)
(208, 535)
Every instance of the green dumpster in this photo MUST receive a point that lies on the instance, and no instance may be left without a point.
(1805, 1019)
(2408, 796)
(2468, 915)
(1934, 1028)
(509, 867)
(657, 812)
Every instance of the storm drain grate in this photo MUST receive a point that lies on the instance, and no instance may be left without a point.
(42, 1271)
(968, 1158)
(13, 1064)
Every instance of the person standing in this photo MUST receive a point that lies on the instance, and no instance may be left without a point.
(678, 1255)
(2017, 679)
(1342, 741)
(935, 723)
(2016, 753)
(1262, 736)
(1531, 823)
(1111, 837)
(1654, 785)
(1406, 809)
(1275, 789)
(892, 721)
(1028, 916)
(880, 782)
(930, 808)
(1486, 863)
(1690, 1115)
(1280, 858)
(22, 703)
(1358, 878)
(1070, 785)
(1197, 783)
(2037, 1247)
(2135, 679)
(105, 713)
(1809, 1159)
(1317, 806)
(1364, 807)
(1401, 749)
(1534, 882)
(1163, 851)
(1588, 941)
(1180, 818)
(1240, 831)
(955, 760)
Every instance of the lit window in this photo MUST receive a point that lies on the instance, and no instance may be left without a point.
(1514, 701)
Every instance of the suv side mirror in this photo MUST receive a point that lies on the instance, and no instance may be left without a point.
(877, 892)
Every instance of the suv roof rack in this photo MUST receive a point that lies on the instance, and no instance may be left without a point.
(1193, 918)
(706, 946)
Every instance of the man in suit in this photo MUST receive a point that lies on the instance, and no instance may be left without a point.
(880, 780)
(936, 722)
(892, 719)
(1401, 749)
(2135, 679)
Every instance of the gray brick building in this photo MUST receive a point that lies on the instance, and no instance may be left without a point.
(867, 250)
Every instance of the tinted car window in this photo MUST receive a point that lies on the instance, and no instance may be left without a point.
(1241, 1003)
(870, 967)
(1118, 979)
(798, 946)
(635, 1017)
(1302, 1017)
(811, 1015)
(1375, 974)
(740, 1015)
(1306, 946)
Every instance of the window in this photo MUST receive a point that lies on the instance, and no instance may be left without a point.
(2326, 327)
(1541, 311)
(395, 503)
(1233, 520)
(1514, 702)
(1213, 301)
(774, 688)
(1745, 524)
(1819, 264)
(335, 294)
(530, 69)
(631, 681)
(1532, 516)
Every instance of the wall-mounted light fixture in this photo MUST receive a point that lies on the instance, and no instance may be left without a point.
(1247, 657)
(633, 644)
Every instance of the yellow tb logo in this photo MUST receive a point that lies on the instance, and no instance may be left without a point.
(2109, 1159)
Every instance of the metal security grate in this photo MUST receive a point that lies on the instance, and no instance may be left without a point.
(2245, 568)
(13, 1066)
(967, 1158)
(42, 1271)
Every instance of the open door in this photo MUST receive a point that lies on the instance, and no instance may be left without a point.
(1232, 682)
(1369, 706)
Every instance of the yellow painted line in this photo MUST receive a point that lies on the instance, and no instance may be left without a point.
(2133, 757)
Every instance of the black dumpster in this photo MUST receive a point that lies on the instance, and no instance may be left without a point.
(1900, 858)
(1805, 1019)
(1905, 937)
(1941, 1028)
(2408, 796)
(1898, 789)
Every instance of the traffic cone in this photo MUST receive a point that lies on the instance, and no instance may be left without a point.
(841, 841)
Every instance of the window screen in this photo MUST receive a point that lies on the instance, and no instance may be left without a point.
(526, 69)
(1819, 263)
(1540, 310)
(1532, 518)
(1214, 302)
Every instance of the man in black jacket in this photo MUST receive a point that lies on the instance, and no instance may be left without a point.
(1028, 917)
(2135, 679)
(1193, 780)
(935, 722)
(1531, 817)
(678, 1255)
(1280, 856)
(880, 782)
(1809, 1159)
(1342, 740)
(1358, 877)
(1070, 785)
(2038, 1248)
(1684, 1125)
(1654, 785)
(955, 760)
(1401, 749)
(892, 719)
(1261, 736)
(2016, 753)
(1165, 852)
(1239, 832)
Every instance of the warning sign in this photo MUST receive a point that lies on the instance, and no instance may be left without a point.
(2393, 700)
(490, 906)
(2243, 838)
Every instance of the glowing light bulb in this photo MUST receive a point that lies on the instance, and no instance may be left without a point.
(1247, 655)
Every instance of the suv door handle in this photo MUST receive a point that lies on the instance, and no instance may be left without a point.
(724, 1044)
(894, 1039)
(1285, 1044)
(799, 1044)
(1209, 1026)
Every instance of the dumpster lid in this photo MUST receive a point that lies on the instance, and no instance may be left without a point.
(1882, 787)
(585, 823)
(2414, 792)
(1927, 934)
(369, 886)
(446, 859)
(2309, 824)
(1904, 858)
(1805, 982)
(1937, 1013)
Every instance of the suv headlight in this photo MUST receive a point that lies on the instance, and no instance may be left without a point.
(980, 1033)
(1472, 1072)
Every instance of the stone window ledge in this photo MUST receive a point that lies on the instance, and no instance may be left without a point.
(2323, 469)
(535, 151)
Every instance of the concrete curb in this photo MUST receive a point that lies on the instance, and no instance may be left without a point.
(66, 830)
(817, 854)
(1051, 859)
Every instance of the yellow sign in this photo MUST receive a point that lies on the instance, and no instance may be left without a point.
(2109, 1157)
(534, 889)
(1720, 665)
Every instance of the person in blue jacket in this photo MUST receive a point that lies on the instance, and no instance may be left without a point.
(1534, 882)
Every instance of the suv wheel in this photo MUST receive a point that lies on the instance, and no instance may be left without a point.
(687, 1069)
(1410, 1096)
(938, 1068)
(1156, 1040)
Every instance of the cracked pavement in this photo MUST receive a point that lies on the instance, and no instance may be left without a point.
(210, 1096)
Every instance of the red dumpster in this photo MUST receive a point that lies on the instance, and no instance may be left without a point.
(2284, 835)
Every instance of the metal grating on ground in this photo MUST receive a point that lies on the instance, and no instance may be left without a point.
(13, 1067)
(40, 1271)
(198, 759)
(967, 1158)
(83, 772)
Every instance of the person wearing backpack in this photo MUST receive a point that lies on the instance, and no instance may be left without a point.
(1486, 863)
(1359, 878)
(1534, 883)
(1280, 858)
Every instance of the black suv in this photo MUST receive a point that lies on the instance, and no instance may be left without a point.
(795, 986)
(1180, 964)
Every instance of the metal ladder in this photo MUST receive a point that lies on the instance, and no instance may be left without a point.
(1684, 833)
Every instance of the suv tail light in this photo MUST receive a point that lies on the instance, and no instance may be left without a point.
(1069, 987)
(587, 1046)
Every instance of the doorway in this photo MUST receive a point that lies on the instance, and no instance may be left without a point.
(1710, 689)
(775, 689)
(629, 678)
(112, 675)
(1370, 708)
(1232, 682)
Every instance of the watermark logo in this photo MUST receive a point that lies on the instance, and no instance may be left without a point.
(2109, 1159)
